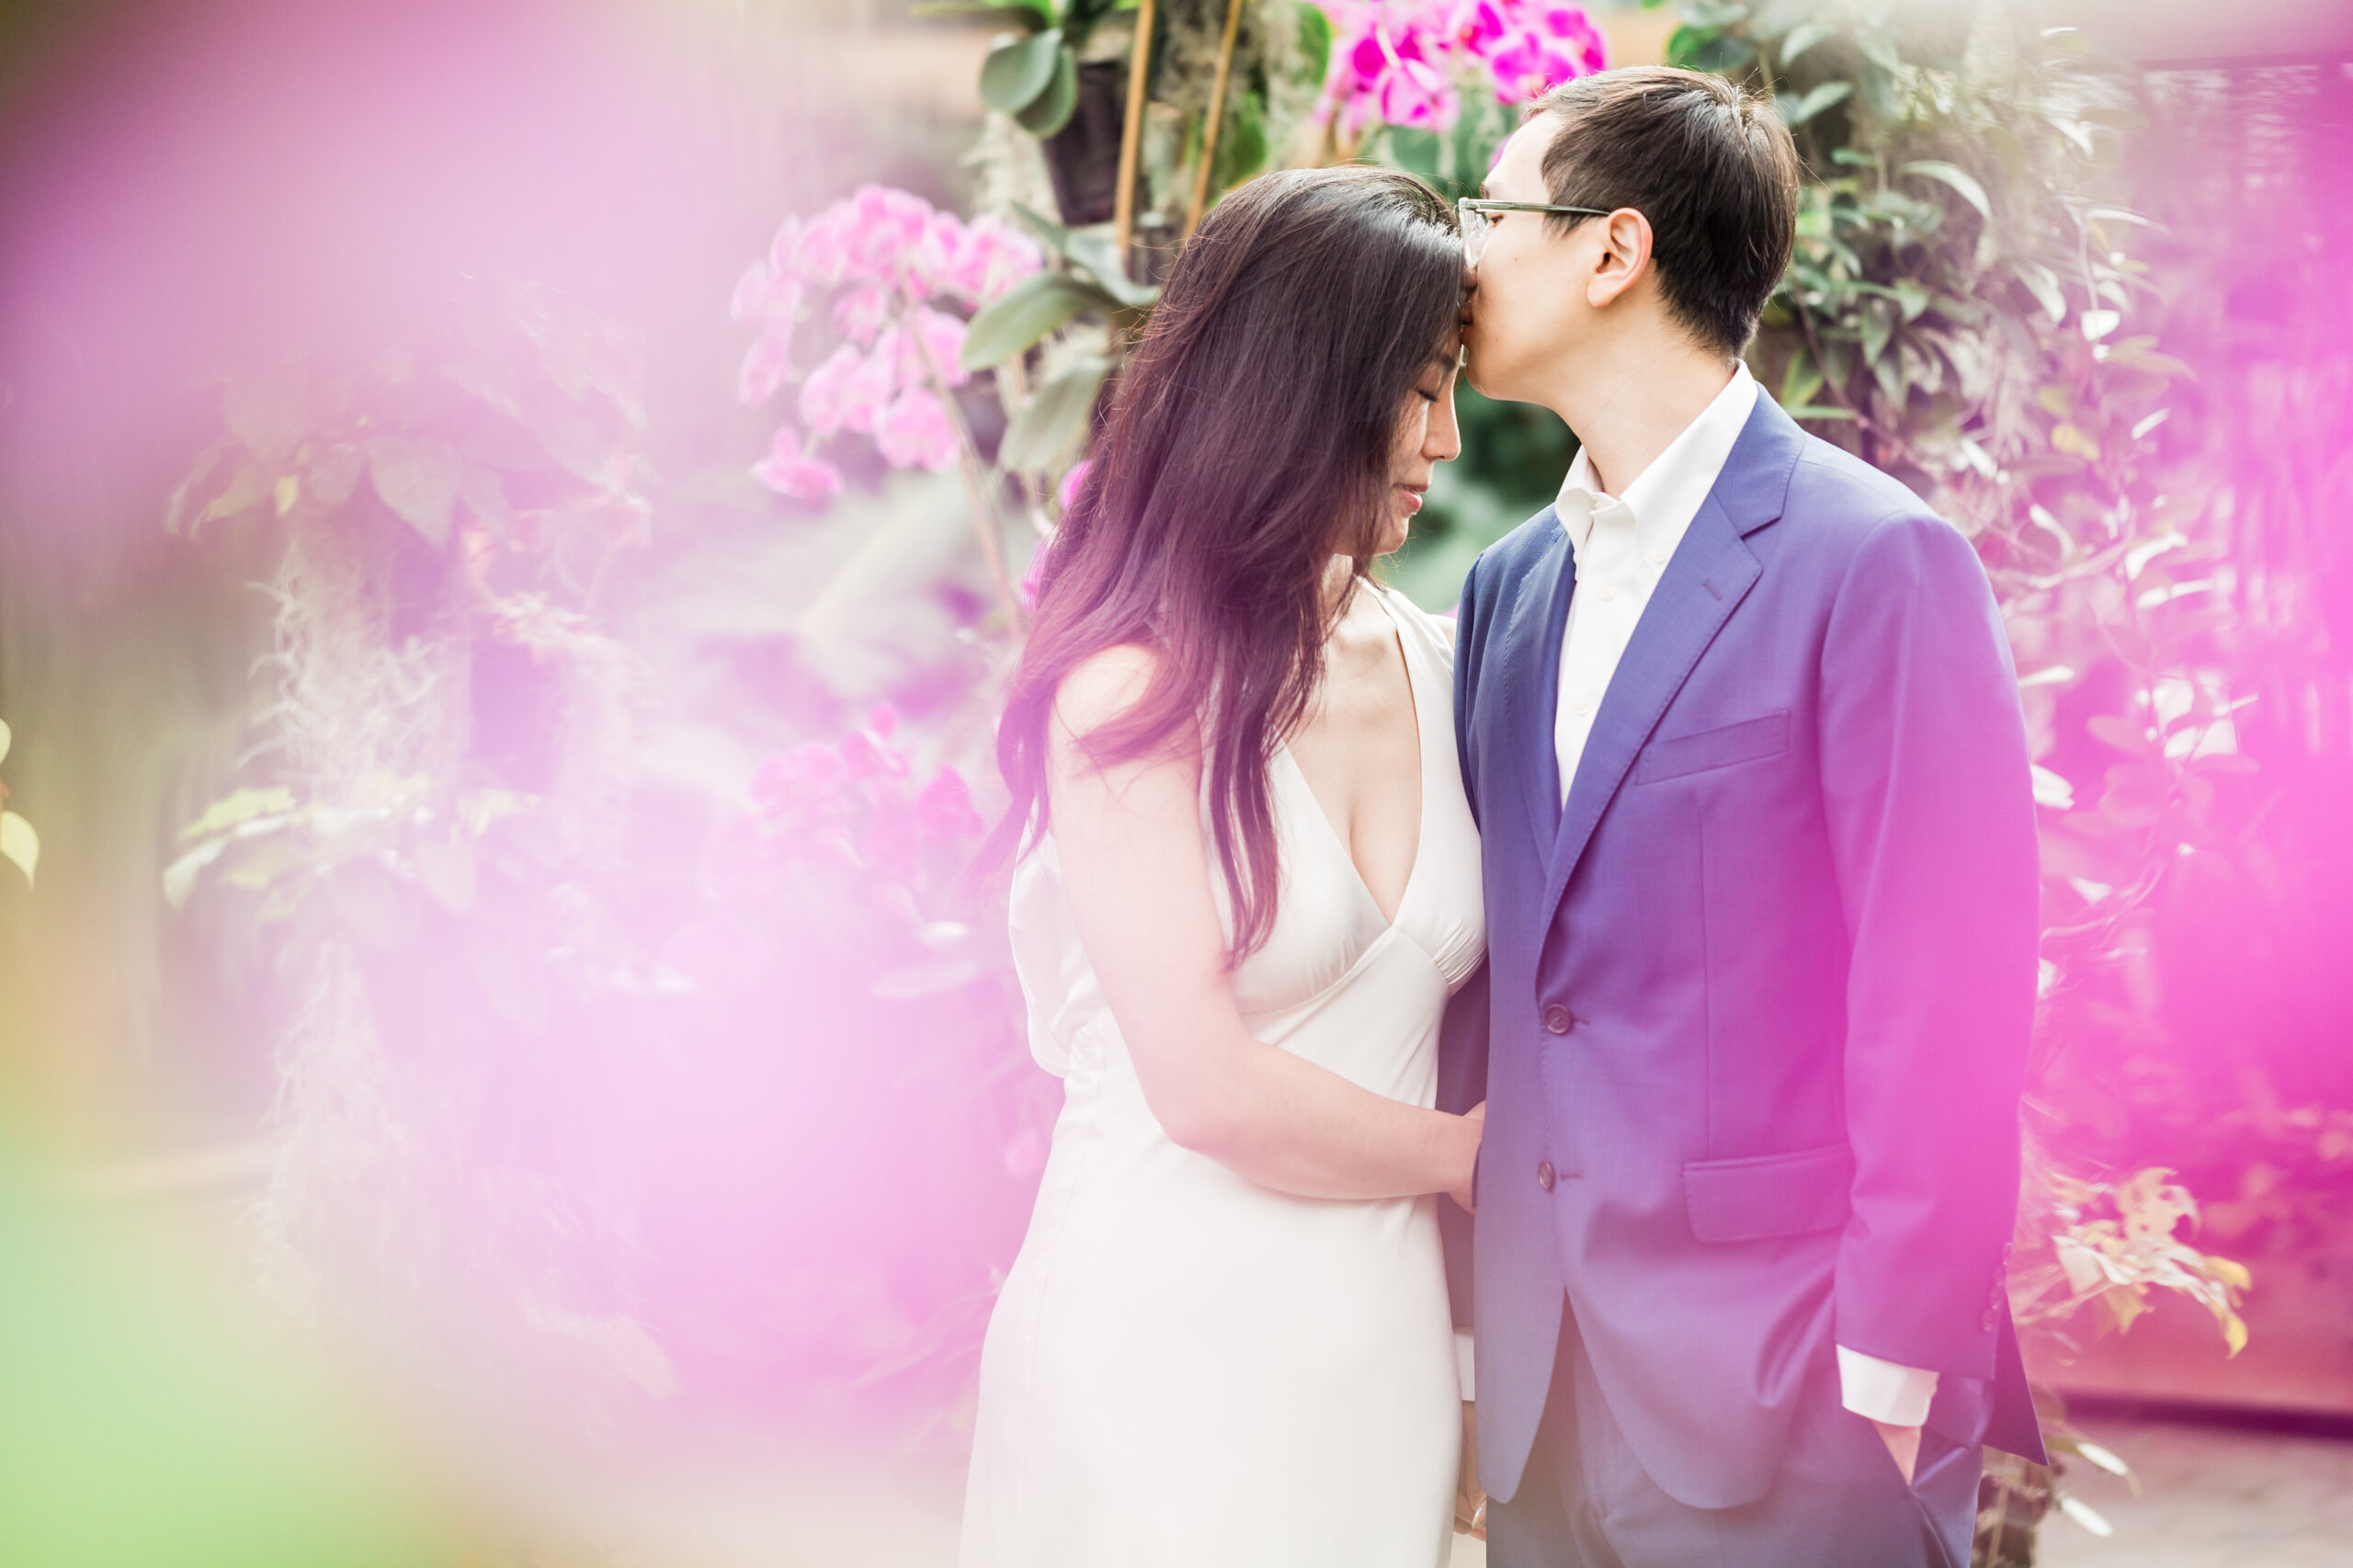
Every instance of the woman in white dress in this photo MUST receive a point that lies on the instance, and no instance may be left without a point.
(1247, 882)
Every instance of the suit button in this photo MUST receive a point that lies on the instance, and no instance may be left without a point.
(1559, 1019)
(1544, 1174)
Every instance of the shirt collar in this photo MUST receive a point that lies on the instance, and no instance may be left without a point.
(1666, 495)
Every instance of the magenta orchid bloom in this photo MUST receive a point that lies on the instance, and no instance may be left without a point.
(1405, 61)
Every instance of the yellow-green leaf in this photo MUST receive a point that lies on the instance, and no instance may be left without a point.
(20, 842)
(179, 876)
(1958, 178)
(240, 807)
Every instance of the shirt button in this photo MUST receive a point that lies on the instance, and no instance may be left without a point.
(1658, 558)
(1558, 1020)
(1544, 1174)
(1608, 593)
(1583, 709)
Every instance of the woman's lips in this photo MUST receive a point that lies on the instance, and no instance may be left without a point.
(1412, 498)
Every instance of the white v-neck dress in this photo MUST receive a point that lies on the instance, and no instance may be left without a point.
(1186, 1369)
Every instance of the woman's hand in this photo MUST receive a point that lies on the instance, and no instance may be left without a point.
(1465, 1189)
(1469, 1498)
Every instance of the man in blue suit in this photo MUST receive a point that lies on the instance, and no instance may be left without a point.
(1740, 730)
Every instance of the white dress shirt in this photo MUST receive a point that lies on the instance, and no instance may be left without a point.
(1622, 544)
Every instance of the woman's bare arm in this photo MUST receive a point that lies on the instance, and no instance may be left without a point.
(1138, 873)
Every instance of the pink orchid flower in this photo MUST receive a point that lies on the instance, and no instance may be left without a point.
(860, 312)
(766, 365)
(790, 471)
(823, 405)
(914, 432)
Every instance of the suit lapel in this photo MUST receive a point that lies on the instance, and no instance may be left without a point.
(1711, 572)
(1531, 654)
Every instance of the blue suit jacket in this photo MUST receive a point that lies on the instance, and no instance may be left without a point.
(1788, 921)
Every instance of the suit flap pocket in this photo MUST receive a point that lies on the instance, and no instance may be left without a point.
(1744, 742)
(1770, 1195)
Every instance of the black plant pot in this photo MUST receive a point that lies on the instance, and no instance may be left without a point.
(1083, 158)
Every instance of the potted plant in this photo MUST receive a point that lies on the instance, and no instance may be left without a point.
(1074, 108)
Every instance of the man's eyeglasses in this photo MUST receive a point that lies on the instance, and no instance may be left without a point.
(1472, 213)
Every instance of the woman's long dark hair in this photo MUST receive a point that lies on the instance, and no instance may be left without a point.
(1250, 440)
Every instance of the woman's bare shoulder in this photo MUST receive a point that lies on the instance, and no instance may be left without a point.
(1436, 631)
(1105, 686)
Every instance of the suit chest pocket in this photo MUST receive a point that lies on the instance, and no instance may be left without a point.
(1746, 740)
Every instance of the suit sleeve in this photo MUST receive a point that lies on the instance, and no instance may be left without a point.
(1930, 814)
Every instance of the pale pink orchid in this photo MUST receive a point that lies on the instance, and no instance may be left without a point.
(991, 259)
(871, 383)
(748, 304)
(942, 340)
(914, 432)
(860, 312)
(823, 406)
(888, 259)
(790, 471)
(766, 365)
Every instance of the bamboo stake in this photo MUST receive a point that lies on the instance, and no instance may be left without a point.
(1217, 118)
(1123, 209)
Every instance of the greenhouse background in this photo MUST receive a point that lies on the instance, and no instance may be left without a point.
(514, 520)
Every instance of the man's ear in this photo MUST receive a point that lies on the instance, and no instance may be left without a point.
(1624, 258)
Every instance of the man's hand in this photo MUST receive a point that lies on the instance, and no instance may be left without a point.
(1903, 1446)
(1470, 1501)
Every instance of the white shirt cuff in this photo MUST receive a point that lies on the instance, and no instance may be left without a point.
(1883, 1390)
(1465, 1361)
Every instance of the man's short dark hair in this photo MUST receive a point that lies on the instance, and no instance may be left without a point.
(1709, 165)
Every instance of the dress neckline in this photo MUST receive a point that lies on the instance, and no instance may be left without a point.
(1422, 761)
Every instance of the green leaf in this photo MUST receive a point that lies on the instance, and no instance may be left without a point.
(1801, 381)
(1879, 90)
(246, 490)
(179, 876)
(1911, 297)
(1052, 110)
(1017, 71)
(1961, 179)
(2043, 284)
(2137, 358)
(1014, 322)
(1054, 418)
(236, 809)
(418, 480)
(1724, 54)
(1802, 37)
(1314, 43)
(1712, 12)
(1878, 321)
(20, 842)
(1797, 111)
(1813, 410)
(1017, 16)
